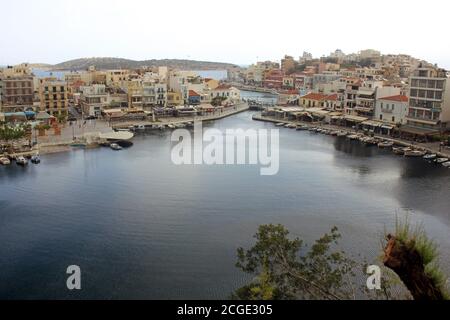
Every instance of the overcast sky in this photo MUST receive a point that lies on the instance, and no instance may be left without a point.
(236, 31)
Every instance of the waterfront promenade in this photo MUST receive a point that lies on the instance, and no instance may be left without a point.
(82, 130)
(430, 147)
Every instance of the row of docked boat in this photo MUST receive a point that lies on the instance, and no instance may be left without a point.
(372, 141)
(20, 160)
(161, 127)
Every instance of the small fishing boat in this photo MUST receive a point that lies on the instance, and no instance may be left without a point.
(414, 153)
(400, 150)
(280, 124)
(334, 133)
(446, 164)
(171, 126)
(21, 161)
(385, 144)
(353, 137)
(312, 129)
(430, 156)
(35, 159)
(125, 143)
(441, 160)
(342, 134)
(115, 146)
(4, 161)
(301, 127)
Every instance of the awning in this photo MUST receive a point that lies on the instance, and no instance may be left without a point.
(418, 131)
(354, 118)
(387, 127)
(372, 123)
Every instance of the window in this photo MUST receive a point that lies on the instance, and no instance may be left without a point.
(393, 119)
(381, 117)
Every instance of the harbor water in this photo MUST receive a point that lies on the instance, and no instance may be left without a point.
(141, 227)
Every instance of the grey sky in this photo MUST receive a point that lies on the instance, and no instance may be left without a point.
(237, 31)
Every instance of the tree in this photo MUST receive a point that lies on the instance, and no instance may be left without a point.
(286, 269)
(8, 133)
(217, 101)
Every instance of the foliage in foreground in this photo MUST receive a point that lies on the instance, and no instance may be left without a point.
(288, 269)
(415, 258)
(8, 133)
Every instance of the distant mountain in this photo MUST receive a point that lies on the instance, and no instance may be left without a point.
(119, 63)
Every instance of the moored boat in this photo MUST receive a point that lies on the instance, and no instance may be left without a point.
(441, 160)
(430, 156)
(35, 159)
(414, 153)
(21, 161)
(400, 150)
(280, 124)
(4, 161)
(301, 127)
(446, 164)
(385, 144)
(115, 146)
(342, 134)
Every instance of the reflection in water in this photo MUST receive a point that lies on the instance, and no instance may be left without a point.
(141, 227)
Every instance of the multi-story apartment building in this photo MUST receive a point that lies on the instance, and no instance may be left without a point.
(429, 99)
(17, 93)
(53, 97)
(94, 99)
(116, 78)
(360, 96)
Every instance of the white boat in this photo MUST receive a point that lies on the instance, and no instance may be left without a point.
(292, 126)
(342, 134)
(35, 159)
(385, 144)
(21, 161)
(141, 127)
(430, 156)
(171, 126)
(414, 153)
(115, 146)
(4, 161)
(280, 124)
(400, 150)
(446, 164)
(302, 127)
(441, 160)
(353, 137)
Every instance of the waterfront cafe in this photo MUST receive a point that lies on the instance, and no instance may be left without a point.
(185, 111)
(372, 126)
(410, 132)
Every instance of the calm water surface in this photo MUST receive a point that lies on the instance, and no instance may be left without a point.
(141, 227)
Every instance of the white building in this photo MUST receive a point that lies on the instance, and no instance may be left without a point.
(392, 109)
(93, 99)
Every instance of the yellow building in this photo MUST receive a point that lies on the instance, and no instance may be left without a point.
(174, 99)
(211, 84)
(53, 97)
(135, 92)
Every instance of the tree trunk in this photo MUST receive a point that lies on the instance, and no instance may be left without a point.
(407, 263)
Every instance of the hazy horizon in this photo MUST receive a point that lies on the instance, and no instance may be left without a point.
(237, 32)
